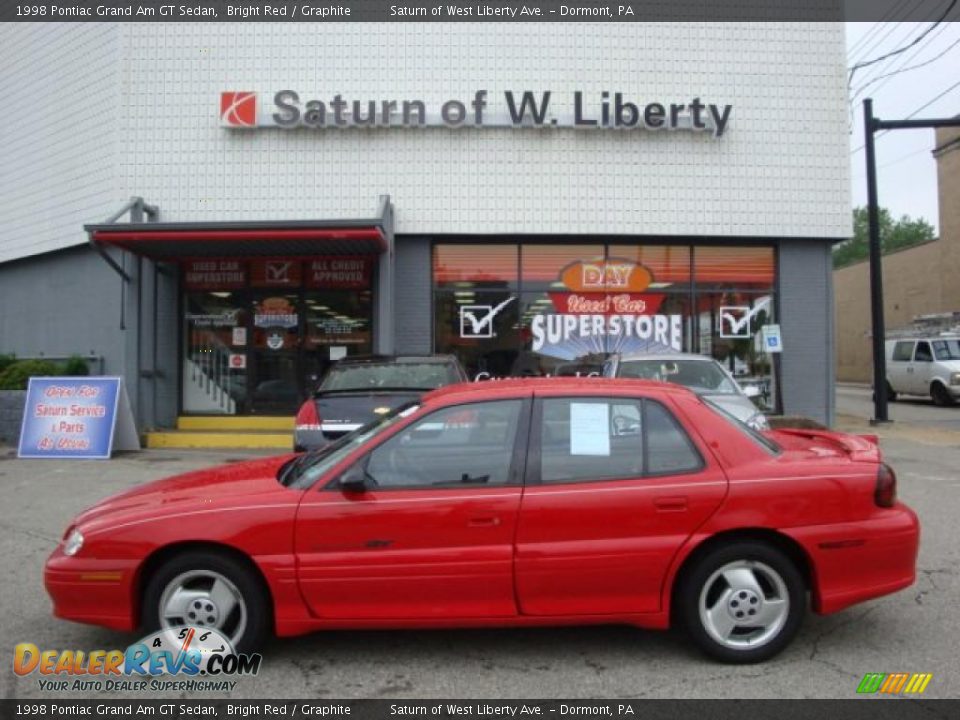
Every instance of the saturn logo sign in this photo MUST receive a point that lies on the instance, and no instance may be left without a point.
(238, 109)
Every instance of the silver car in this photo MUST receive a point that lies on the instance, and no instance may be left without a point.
(702, 374)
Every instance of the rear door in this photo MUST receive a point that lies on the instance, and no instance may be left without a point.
(900, 367)
(433, 537)
(615, 485)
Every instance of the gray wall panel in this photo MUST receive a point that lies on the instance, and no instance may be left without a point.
(412, 309)
(806, 319)
(62, 303)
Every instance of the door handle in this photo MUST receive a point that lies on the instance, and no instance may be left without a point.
(483, 522)
(676, 503)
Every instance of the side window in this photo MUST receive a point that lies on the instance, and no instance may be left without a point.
(669, 449)
(923, 352)
(903, 351)
(462, 446)
(584, 439)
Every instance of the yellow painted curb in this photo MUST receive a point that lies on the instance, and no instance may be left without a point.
(200, 439)
(221, 423)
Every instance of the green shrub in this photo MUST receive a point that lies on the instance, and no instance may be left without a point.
(16, 376)
(6, 361)
(75, 366)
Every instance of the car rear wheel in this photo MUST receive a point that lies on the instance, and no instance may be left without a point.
(209, 590)
(940, 395)
(891, 393)
(743, 602)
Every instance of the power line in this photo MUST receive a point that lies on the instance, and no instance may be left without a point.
(905, 69)
(914, 113)
(928, 104)
(874, 30)
(892, 53)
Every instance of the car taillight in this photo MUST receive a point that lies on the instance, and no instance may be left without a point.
(886, 493)
(307, 417)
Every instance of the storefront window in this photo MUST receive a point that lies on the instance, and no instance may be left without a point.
(481, 329)
(258, 333)
(571, 306)
(542, 266)
(741, 268)
(668, 264)
(475, 266)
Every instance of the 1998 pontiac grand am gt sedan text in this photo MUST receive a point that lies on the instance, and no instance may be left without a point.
(527, 502)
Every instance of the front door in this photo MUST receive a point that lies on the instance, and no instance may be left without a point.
(615, 486)
(274, 353)
(433, 536)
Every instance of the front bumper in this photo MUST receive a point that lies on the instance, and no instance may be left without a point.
(858, 561)
(99, 592)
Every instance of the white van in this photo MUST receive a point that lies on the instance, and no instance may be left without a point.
(924, 366)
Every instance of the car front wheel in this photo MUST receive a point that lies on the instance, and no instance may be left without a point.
(743, 602)
(209, 590)
(941, 396)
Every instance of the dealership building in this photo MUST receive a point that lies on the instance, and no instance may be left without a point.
(218, 212)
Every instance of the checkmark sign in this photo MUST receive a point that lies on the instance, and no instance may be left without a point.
(739, 327)
(481, 325)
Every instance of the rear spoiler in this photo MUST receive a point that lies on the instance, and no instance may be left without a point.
(860, 448)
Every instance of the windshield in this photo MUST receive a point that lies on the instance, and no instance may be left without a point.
(407, 375)
(704, 376)
(303, 471)
(946, 349)
(755, 435)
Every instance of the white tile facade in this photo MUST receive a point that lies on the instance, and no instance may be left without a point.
(60, 85)
(781, 169)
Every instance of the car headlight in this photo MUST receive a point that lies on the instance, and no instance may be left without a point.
(73, 543)
(955, 379)
(758, 422)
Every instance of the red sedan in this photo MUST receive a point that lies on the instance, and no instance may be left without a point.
(529, 502)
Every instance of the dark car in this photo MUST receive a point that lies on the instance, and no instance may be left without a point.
(358, 390)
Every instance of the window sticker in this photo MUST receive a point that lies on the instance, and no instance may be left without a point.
(590, 429)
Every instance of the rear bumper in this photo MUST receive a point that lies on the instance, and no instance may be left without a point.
(98, 592)
(854, 562)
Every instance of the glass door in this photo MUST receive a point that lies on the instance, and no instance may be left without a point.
(214, 362)
(274, 353)
(337, 324)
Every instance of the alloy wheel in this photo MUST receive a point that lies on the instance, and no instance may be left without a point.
(744, 604)
(204, 599)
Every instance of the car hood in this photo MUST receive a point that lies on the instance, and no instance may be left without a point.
(740, 406)
(949, 365)
(249, 482)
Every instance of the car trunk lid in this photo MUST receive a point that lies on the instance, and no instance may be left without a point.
(821, 443)
(344, 412)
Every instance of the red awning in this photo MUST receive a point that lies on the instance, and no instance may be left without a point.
(178, 242)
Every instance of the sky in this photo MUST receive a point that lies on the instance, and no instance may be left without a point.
(906, 171)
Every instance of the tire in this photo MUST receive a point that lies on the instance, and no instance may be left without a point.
(224, 578)
(777, 590)
(941, 396)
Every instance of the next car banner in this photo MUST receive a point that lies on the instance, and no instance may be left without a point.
(76, 417)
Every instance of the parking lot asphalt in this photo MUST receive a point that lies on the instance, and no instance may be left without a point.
(916, 630)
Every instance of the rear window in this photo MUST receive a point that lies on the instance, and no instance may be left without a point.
(385, 376)
(903, 351)
(756, 436)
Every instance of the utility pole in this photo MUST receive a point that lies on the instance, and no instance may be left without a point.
(871, 125)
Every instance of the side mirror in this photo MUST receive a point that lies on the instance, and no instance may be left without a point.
(354, 480)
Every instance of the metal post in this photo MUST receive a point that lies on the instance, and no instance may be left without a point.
(876, 270)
